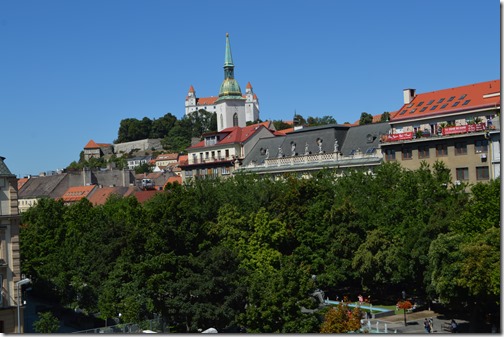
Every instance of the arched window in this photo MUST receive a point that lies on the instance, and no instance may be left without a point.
(235, 119)
(222, 121)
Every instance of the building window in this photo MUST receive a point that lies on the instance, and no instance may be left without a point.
(462, 173)
(482, 173)
(390, 154)
(218, 154)
(460, 148)
(441, 150)
(215, 172)
(407, 153)
(224, 170)
(235, 119)
(423, 152)
(481, 146)
(227, 153)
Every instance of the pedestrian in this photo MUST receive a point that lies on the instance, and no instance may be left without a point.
(454, 326)
(426, 326)
(431, 324)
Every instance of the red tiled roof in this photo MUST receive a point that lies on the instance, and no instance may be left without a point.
(167, 156)
(283, 131)
(100, 195)
(21, 182)
(143, 196)
(249, 85)
(191, 89)
(174, 179)
(206, 100)
(76, 193)
(91, 145)
(467, 97)
(235, 134)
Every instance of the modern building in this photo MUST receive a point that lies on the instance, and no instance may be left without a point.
(11, 310)
(459, 126)
(231, 106)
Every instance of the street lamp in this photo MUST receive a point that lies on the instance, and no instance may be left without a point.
(19, 284)
(404, 307)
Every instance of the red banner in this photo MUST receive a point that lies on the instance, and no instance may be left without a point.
(452, 130)
(476, 127)
(400, 136)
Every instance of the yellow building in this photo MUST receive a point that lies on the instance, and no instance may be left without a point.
(10, 275)
(458, 126)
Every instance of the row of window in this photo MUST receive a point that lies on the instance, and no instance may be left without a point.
(210, 172)
(482, 173)
(480, 146)
(209, 154)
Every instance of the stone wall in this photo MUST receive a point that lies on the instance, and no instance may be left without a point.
(141, 145)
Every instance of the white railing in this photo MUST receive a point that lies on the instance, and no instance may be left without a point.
(312, 158)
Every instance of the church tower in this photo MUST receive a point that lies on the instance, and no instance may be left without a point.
(230, 104)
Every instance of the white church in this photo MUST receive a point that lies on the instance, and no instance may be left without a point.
(231, 106)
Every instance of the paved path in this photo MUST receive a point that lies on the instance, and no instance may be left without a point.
(395, 323)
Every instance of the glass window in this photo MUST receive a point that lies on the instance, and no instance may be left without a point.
(430, 102)
(462, 173)
(433, 107)
(390, 154)
(466, 102)
(441, 150)
(462, 97)
(451, 99)
(420, 104)
(224, 170)
(482, 173)
(423, 152)
(423, 109)
(455, 104)
(481, 146)
(460, 148)
(407, 153)
(444, 106)
(440, 100)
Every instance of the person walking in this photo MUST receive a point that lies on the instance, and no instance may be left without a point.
(427, 326)
(454, 326)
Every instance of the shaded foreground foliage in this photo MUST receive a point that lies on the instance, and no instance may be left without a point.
(241, 252)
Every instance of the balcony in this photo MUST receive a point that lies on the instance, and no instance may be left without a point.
(199, 161)
(446, 131)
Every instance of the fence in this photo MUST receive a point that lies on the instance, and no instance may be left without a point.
(153, 325)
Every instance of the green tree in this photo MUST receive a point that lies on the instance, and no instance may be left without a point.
(365, 118)
(385, 117)
(281, 125)
(47, 323)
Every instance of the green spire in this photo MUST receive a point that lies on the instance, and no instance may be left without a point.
(228, 58)
(229, 88)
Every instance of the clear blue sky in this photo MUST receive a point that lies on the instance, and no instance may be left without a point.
(70, 71)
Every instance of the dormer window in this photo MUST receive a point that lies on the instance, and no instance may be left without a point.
(211, 140)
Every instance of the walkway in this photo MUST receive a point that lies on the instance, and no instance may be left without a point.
(395, 323)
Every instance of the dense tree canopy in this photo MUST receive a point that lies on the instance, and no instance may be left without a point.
(241, 252)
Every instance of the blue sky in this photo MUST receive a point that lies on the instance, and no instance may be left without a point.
(70, 71)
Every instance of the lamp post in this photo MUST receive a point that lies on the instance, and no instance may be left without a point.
(404, 307)
(19, 284)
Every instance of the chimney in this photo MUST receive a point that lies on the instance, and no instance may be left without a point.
(409, 94)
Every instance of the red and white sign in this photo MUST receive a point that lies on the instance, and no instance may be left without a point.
(452, 130)
(400, 136)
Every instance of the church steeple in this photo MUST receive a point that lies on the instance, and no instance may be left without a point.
(229, 88)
